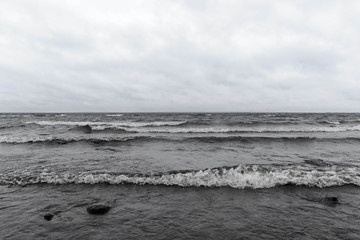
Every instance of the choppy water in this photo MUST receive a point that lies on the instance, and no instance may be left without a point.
(180, 176)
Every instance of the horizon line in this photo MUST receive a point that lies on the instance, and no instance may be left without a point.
(109, 112)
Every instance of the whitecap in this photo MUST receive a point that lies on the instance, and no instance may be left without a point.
(240, 177)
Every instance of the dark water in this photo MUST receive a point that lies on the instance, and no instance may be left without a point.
(180, 176)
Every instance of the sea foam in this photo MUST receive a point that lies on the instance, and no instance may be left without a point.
(240, 177)
(109, 124)
(63, 140)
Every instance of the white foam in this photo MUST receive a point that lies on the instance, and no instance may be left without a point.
(109, 124)
(248, 130)
(153, 127)
(334, 122)
(38, 139)
(114, 115)
(240, 177)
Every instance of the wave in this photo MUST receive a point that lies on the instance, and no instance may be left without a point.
(176, 130)
(12, 126)
(105, 125)
(193, 123)
(103, 129)
(114, 115)
(85, 129)
(5, 115)
(350, 121)
(245, 139)
(248, 130)
(264, 139)
(187, 139)
(66, 140)
(240, 177)
(333, 123)
(263, 123)
(198, 127)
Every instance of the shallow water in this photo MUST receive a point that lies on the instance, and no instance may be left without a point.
(159, 212)
(180, 176)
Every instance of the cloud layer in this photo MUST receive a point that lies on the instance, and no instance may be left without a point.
(179, 55)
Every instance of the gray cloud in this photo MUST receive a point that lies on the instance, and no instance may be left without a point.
(179, 55)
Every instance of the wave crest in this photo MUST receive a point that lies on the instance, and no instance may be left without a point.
(100, 125)
(240, 177)
(181, 127)
(65, 140)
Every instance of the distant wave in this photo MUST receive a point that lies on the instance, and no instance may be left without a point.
(200, 127)
(105, 129)
(240, 177)
(13, 126)
(196, 123)
(329, 122)
(259, 139)
(6, 115)
(262, 123)
(244, 139)
(175, 129)
(248, 130)
(115, 115)
(104, 125)
(350, 121)
(66, 140)
(187, 139)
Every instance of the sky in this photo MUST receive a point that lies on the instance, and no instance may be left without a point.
(179, 56)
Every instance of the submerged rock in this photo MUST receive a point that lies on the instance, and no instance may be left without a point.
(48, 216)
(330, 201)
(98, 209)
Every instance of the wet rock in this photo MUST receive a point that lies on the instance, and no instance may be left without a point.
(330, 201)
(48, 216)
(98, 209)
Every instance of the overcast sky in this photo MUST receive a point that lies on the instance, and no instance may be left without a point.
(179, 55)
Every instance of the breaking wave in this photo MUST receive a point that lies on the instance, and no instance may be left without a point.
(248, 130)
(260, 139)
(175, 127)
(240, 177)
(179, 130)
(115, 115)
(245, 139)
(329, 122)
(104, 125)
(204, 139)
(66, 140)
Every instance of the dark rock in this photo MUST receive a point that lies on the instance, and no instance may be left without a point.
(48, 216)
(98, 209)
(330, 201)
